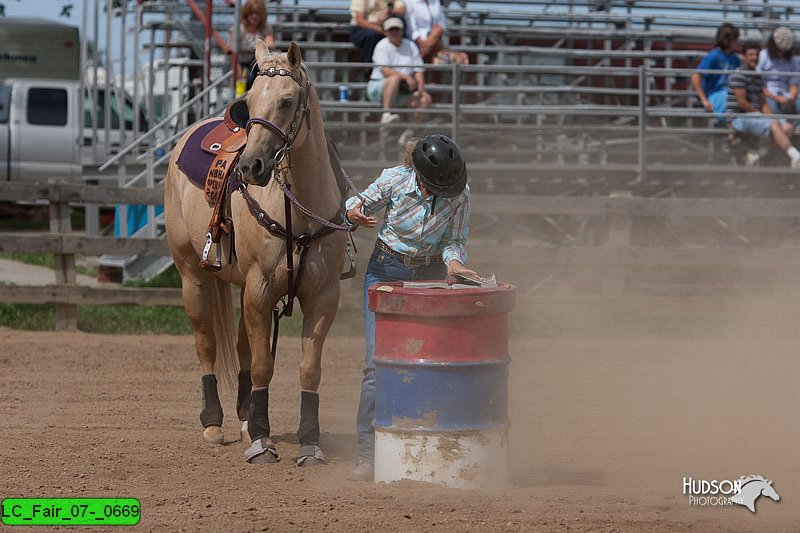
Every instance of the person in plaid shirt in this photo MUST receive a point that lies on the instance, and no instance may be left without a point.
(423, 237)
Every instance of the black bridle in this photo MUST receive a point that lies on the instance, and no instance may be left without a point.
(304, 240)
(300, 112)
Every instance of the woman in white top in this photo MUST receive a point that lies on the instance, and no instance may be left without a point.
(253, 27)
(426, 25)
(781, 90)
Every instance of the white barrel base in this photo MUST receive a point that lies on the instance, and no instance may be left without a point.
(466, 460)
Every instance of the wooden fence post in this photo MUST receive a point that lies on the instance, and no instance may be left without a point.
(60, 223)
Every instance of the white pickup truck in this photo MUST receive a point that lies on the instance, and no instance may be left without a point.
(45, 125)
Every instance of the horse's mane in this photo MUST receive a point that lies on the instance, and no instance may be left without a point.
(756, 477)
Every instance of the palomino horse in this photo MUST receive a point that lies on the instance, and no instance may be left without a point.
(285, 141)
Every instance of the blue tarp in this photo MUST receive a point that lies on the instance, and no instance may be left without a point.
(137, 217)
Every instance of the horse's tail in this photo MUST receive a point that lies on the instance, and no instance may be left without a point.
(227, 364)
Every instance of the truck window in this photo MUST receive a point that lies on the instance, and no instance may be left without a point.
(5, 103)
(47, 107)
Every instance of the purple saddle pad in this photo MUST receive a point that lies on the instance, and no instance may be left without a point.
(193, 161)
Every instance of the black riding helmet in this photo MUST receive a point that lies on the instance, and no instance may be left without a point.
(439, 165)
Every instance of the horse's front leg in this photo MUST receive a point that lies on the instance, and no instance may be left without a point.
(319, 311)
(256, 312)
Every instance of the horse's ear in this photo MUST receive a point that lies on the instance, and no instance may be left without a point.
(294, 56)
(262, 53)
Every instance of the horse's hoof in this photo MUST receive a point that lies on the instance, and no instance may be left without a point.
(310, 460)
(213, 435)
(262, 451)
(311, 455)
(244, 436)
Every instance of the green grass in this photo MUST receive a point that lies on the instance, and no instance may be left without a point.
(39, 259)
(168, 278)
(45, 259)
(118, 319)
(32, 317)
(17, 217)
(133, 319)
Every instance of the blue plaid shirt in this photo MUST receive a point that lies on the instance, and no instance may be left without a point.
(409, 227)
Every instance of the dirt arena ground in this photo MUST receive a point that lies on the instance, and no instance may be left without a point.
(603, 432)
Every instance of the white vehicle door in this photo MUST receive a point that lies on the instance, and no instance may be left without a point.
(45, 144)
(5, 140)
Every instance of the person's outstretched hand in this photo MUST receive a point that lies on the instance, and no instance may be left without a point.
(356, 216)
(456, 267)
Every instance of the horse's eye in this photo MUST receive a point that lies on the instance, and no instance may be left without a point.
(286, 103)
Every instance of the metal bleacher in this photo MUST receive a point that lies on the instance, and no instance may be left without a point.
(560, 98)
(586, 94)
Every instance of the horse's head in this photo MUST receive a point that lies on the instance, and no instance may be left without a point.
(278, 105)
(769, 491)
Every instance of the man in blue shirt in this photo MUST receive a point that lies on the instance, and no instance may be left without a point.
(712, 89)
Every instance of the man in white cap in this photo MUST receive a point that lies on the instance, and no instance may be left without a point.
(398, 78)
(781, 90)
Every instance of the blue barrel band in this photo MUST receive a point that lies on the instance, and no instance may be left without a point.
(441, 397)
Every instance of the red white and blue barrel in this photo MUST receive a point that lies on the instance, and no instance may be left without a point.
(441, 384)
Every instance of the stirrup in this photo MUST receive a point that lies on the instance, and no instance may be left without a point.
(351, 256)
(204, 264)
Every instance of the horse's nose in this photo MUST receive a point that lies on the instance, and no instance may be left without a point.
(253, 170)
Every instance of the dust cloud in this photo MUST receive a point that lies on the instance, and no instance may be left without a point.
(622, 397)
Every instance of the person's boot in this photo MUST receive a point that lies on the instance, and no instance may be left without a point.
(364, 471)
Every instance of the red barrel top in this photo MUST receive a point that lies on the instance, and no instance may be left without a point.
(393, 298)
(440, 326)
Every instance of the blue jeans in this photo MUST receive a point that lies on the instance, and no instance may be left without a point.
(785, 110)
(382, 267)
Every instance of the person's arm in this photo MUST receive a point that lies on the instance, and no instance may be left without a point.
(435, 35)
(269, 38)
(742, 101)
(361, 21)
(419, 77)
(697, 85)
(372, 200)
(454, 253)
(765, 108)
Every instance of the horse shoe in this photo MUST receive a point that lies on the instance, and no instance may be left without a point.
(262, 451)
(311, 455)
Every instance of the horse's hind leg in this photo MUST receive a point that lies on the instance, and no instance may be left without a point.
(198, 301)
(318, 314)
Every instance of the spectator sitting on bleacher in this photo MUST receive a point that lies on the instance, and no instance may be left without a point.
(712, 89)
(746, 95)
(426, 25)
(367, 18)
(394, 84)
(781, 91)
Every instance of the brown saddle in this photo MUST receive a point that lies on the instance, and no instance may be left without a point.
(225, 142)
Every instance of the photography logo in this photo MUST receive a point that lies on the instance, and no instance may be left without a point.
(743, 491)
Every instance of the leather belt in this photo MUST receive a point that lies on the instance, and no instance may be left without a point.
(409, 261)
